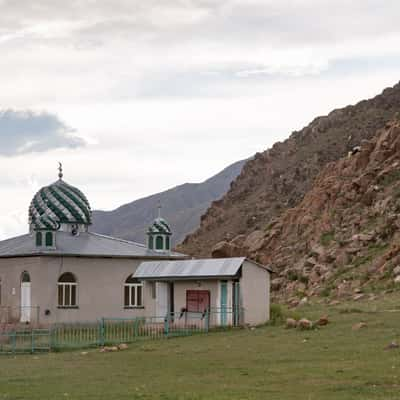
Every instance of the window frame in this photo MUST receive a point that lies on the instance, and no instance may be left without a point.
(39, 239)
(49, 239)
(68, 291)
(131, 293)
(159, 242)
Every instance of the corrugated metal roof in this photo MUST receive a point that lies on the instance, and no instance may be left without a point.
(85, 244)
(213, 267)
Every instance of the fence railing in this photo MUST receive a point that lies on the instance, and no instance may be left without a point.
(29, 341)
(19, 315)
(113, 331)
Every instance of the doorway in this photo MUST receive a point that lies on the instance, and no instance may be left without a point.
(25, 297)
(224, 303)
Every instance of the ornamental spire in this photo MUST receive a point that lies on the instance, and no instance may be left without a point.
(60, 170)
(159, 208)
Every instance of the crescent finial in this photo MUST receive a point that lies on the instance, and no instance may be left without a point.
(60, 170)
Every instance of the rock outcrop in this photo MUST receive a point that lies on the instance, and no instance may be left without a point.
(278, 179)
(343, 238)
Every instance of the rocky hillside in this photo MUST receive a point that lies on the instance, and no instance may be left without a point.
(182, 207)
(343, 239)
(278, 178)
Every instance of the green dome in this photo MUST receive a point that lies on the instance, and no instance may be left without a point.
(160, 225)
(57, 204)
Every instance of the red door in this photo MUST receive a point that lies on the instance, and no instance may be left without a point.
(197, 300)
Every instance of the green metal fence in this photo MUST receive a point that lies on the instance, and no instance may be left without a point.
(106, 331)
(25, 341)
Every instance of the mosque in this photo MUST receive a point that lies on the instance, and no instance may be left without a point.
(60, 271)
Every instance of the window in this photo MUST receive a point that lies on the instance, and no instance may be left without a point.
(151, 246)
(167, 244)
(39, 240)
(67, 290)
(133, 293)
(49, 239)
(25, 277)
(159, 243)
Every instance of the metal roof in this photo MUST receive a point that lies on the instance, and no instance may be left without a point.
(87, 244)
(189, 269)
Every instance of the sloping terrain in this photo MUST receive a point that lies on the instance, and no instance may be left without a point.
(182, 207)
(278, 179)
(343, 239)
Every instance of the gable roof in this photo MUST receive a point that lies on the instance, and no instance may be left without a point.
(192, 269)
(87, 244)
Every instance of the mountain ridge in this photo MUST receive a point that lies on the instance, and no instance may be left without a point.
(278, 178)
(182, 207)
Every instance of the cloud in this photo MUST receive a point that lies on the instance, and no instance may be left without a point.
(99, 50)
(27, 131)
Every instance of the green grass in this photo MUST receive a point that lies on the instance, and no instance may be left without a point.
(269, 362)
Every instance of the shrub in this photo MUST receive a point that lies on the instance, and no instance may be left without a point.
(304, 279)
(292, 276)
(326, 238)
(277, 316)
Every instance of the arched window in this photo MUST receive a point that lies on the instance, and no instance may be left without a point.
(67, 290)
(25, 277)
(39, 239)
(167, 243)
(49, 239)
(159, 243)
(151, 244)
(133, 293)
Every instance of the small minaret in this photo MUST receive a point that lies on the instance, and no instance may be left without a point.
(159, 234)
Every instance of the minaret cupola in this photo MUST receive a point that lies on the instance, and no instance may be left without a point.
(159, 234)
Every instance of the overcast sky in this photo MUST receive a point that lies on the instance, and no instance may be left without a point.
(138, 96)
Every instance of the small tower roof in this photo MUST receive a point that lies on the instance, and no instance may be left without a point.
(160, 225)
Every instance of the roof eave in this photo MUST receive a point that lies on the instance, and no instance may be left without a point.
(185, 278)
(134, 257)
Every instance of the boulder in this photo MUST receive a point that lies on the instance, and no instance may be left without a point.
(397, 279)
(291, 323)
(303, 301)
(107, 349)
(396, 271)
(122, 346)
(254, 241)
(277, 283)
(304, 324)
(358, 326)
(225, 249)
(318, 251)
(323, 321)
(393, 345)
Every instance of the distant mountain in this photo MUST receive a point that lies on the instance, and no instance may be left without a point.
(182, 207)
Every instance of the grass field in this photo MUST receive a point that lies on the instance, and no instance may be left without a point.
(270, 362)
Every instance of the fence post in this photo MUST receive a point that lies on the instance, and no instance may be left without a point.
(14, 342)
(166, 326)
(136, 328)
(102, 332)
(32, 341)
(207, 323)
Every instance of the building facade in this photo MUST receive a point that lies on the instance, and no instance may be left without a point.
(61, 272)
